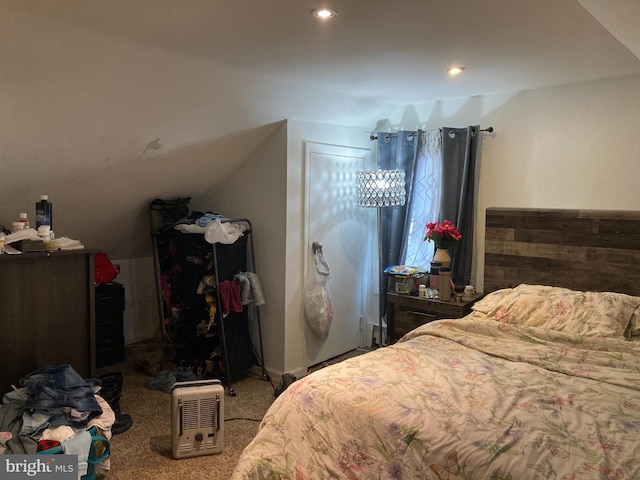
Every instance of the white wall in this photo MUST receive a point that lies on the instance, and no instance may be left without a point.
(82, 110)
(573, 146)
(268, 188)
(141, 318)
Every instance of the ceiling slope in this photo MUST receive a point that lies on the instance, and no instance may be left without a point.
(396, 52)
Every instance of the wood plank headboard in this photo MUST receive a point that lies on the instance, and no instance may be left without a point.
(595, 250)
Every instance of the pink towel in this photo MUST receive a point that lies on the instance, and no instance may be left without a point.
(230, 296)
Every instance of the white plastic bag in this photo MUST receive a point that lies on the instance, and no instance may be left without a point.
(317, 303)
(218, 232)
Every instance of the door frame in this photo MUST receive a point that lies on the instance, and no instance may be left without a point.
(360, 153)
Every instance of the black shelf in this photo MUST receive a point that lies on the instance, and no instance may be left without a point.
(189, 272)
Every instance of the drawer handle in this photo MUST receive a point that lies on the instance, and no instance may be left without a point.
(421, 314)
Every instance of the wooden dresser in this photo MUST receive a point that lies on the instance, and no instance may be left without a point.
(406, 312)
(46, 313)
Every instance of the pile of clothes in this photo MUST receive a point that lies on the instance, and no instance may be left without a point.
(55, 406)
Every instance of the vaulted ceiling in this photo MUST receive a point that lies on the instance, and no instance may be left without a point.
(397, 52)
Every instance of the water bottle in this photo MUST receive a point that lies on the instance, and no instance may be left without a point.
(44, 212)
(434, 275)
(445, 284)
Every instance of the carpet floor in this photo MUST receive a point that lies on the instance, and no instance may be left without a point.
(144, 451)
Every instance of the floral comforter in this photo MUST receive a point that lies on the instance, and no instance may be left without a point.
(469, 399)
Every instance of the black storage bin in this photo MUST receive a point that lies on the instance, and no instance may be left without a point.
(109, 300)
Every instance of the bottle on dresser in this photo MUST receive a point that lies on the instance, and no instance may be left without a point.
(44, 212)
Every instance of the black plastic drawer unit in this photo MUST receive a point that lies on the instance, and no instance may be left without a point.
(109, 300)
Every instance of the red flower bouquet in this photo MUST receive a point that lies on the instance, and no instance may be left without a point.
(443, 235)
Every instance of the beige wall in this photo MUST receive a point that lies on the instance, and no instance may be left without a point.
(564, 147)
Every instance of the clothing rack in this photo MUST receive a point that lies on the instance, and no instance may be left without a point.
(260, 354)
(228, 335)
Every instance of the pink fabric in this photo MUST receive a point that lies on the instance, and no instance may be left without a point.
(230, 296)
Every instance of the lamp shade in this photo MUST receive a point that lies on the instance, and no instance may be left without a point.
(380, 188)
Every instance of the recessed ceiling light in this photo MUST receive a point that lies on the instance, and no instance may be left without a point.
(455, 70)
(324, 13)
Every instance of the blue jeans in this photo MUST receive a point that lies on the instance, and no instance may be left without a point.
(59, 386)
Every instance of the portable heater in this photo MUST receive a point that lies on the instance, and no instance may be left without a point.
(197, 418)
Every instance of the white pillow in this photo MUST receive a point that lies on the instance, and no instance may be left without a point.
(490, 300)
(592, 314)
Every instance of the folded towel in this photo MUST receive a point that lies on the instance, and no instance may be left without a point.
(65, 243)
(26, 234)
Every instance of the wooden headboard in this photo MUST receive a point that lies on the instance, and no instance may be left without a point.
(595, 250)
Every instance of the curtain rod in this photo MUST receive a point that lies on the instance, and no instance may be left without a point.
(373, 137)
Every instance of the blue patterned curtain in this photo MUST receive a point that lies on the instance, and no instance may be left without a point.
(424, 203)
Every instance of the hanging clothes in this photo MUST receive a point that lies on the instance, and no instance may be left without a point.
(250, 288)
(230, 296)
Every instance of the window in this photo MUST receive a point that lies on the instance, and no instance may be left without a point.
(424, 204)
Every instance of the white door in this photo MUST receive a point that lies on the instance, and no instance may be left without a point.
(344, 230)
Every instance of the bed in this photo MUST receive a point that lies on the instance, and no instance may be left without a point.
(540, 381)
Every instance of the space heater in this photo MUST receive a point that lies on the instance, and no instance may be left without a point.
(197, 418)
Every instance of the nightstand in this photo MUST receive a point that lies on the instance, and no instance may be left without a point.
(406, 312)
